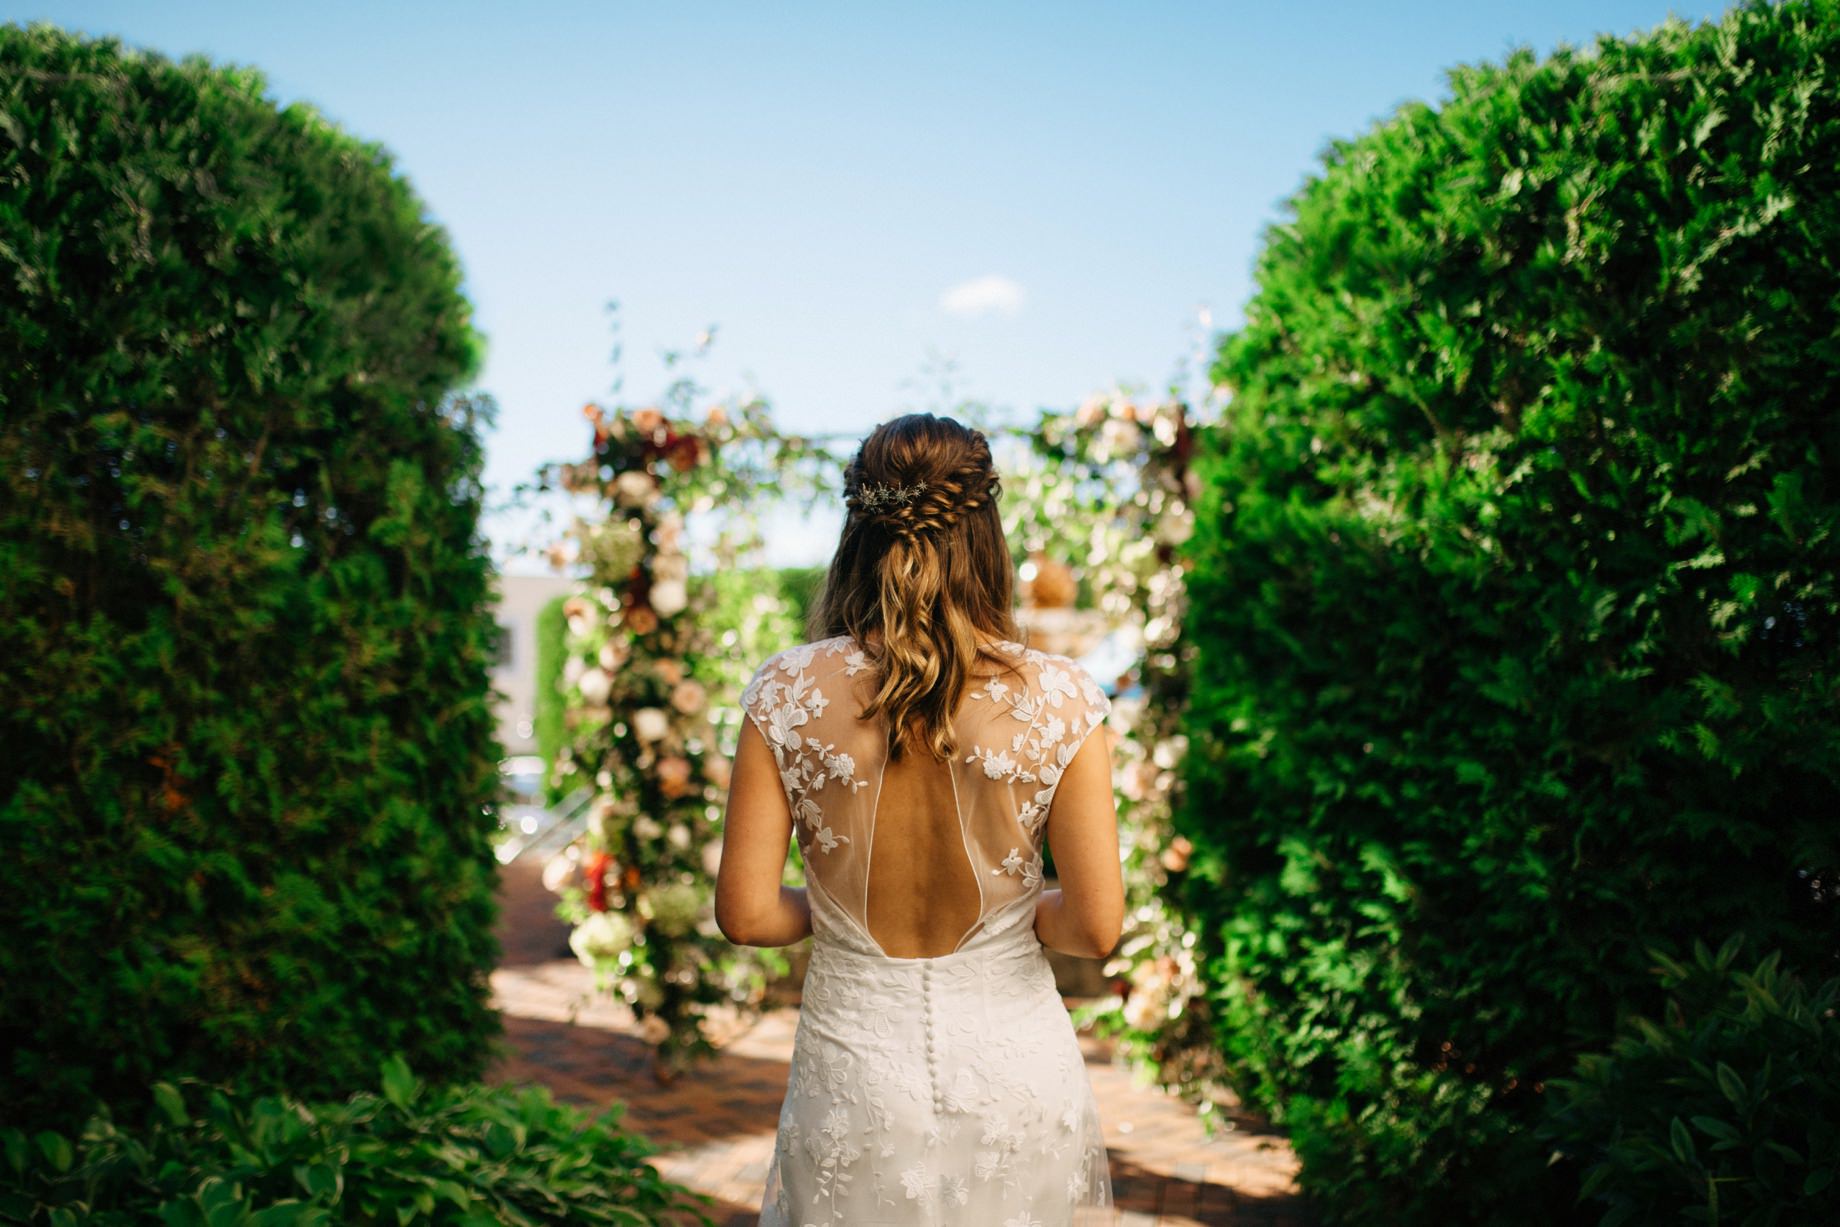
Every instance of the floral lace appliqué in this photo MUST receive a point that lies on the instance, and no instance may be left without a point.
(784, 699)
(1039, 752)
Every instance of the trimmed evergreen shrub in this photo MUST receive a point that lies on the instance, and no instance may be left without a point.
(551, 716)
(1514, 597)
(468, 1155)
(247, 755)
(1725, 1108)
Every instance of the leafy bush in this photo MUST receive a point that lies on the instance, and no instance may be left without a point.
(1514, 597)
(1726, 1110)
(465, 1154)
(551, 716)
(245, 627)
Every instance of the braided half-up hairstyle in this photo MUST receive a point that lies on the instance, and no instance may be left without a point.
(922, 577)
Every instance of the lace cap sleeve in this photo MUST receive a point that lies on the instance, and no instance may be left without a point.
(1076, 707)
(787, 704)
(757, 696)
(1094, 709)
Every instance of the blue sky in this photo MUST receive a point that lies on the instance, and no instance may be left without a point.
(1044, 195)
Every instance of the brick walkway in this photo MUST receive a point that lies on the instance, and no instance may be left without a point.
(715, 1125)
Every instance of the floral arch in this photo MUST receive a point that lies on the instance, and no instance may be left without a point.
(1096, 504)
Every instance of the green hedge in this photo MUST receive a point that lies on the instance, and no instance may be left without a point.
(466, 1155)
(550, 719)
(245, 621)
(1514, 597)
(1671, 1131)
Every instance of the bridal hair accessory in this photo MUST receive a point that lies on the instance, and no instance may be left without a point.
(877, 496)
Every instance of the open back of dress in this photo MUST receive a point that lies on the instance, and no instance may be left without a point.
(1016, 732)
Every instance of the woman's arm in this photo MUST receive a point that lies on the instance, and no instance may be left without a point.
(753, 908)
(1086, 915)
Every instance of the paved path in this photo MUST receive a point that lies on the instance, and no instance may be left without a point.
(715, 1125)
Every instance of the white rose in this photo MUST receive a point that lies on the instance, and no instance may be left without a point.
(601, 936)
(557, 871)
(634, 488)
(595, 686)
(1176, 528)
(670, 597)
(647, 827)
(651, 724)
(1141, 1011)
(679, 836)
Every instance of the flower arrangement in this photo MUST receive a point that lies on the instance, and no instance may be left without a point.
(1100, 502)
(643, 661)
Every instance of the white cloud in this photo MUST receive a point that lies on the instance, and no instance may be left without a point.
(987, 295)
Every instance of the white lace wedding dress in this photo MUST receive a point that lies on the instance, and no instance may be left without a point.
(945, 1090)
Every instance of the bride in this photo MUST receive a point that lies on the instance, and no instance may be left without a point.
(922, 757)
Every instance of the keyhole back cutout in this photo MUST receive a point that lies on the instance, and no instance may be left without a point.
(924, 896)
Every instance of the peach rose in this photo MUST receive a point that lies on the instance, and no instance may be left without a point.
(674, 776)
(688, 696)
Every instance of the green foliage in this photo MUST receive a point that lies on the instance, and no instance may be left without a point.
(443, 1154)
(798, 587)
(1725, 1110)
(752, 612)
(1514, 597)
(245, 623)
(551, 716)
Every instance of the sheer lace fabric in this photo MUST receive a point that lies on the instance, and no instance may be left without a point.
(944, 1090)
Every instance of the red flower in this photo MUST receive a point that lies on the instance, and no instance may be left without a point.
(594, 869)
(684, 452)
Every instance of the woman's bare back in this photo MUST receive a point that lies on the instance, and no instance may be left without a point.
(915, 857)
(923, 892)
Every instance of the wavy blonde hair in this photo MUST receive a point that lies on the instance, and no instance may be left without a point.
(922, 579)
